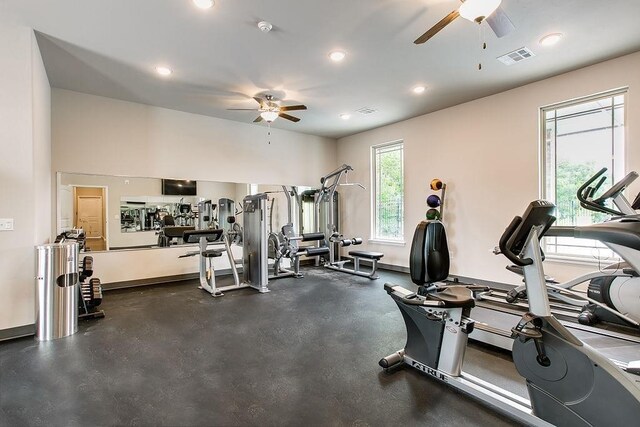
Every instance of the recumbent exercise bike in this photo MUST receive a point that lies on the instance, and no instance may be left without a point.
(569, 383)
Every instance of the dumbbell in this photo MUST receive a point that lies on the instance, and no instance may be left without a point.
(92, 292)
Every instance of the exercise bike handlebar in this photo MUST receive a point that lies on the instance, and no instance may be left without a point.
(504, 244)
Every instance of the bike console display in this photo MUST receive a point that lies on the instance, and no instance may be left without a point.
(539, 213)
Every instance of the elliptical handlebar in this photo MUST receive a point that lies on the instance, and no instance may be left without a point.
(586, 192)
(619, 187)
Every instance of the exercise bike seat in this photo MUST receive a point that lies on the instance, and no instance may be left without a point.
(453, 296)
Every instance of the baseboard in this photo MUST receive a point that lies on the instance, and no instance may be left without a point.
(17, 332)
(481, 282)
(391, 267)
(158, 280)
(148, 282)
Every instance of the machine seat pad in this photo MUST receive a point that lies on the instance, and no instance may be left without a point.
(212, 253)
(367, 254)
(177, 231)
(454, 296)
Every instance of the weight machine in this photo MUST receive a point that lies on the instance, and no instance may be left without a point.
(327, 194)
(206, 237)
(285, 244)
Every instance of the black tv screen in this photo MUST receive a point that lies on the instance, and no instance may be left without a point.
(174, 187)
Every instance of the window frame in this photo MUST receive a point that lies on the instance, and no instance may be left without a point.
(374, 238)
(542, 154)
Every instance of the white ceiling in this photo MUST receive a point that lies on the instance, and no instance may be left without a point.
(220, 59)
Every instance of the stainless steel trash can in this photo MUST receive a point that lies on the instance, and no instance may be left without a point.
(57, 288)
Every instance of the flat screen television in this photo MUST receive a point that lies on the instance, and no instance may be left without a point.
(174, 187)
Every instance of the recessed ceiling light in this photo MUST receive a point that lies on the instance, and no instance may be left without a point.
(550, 39)
(164, 71)
(203, 4)
(345, 116)
(418, 89)
(337, 55)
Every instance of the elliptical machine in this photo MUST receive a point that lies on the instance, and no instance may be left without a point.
(569, 383)
(613, 293)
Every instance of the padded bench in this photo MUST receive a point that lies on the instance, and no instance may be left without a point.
(367, 255)
(374, 257)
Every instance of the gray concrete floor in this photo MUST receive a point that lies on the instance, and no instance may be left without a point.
(304, 354)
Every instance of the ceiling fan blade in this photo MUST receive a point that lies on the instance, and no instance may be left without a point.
(436, 28)
(500, 23)
(293, 107)
(288, 117)
(243, 109)
(259, 100)
(258, 119)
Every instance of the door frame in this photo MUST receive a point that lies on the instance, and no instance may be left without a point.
(106, 219)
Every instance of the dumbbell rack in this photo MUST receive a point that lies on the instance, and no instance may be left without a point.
(90, 292)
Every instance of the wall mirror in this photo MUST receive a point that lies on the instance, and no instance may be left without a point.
(119, 212)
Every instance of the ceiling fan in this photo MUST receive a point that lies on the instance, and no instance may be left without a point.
(270, 110)
(475, 11)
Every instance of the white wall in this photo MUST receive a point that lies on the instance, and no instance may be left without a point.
(487, 153)
(97, 135)
(92, 134)
(24, 170)
(41, 114)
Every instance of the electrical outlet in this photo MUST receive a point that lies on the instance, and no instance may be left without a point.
(6, 224)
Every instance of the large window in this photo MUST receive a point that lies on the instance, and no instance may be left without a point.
(579, 138)
(388, 191)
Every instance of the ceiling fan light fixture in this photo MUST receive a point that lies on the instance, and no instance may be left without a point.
(269, 116)
(550, 39)
(204, 4)
(478, 10)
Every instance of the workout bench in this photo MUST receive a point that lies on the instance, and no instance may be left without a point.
(356, 256)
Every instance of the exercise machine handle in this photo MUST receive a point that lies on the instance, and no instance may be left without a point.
(345, 167)
(504, 244)
(618, 187)
(585, 192)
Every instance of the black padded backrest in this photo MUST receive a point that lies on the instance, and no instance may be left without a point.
(429, 258)
(168, 220)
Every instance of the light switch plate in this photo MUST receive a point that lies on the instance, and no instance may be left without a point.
(6, 224)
